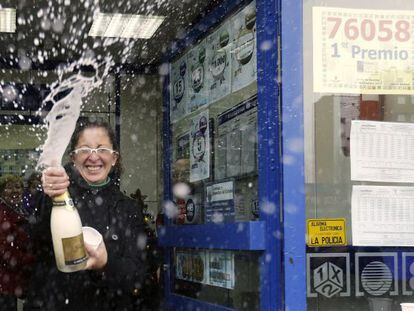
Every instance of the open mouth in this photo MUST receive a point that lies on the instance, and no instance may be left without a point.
(93, 168)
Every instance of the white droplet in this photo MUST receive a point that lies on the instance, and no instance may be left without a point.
(181, 190)
(217, 217)
(170, 209)
(295, 145)
(268, 208)
(266, 45)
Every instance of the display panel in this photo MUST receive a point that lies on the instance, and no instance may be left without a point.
(358, 114)
(228, 278)
(213, 117)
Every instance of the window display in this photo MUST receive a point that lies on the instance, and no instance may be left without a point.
(358, 113)
(213, 117)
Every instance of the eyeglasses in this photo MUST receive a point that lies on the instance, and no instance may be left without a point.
(86, 151)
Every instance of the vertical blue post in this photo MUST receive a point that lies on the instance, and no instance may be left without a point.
(268, 154)
(166, 138)
(293, 170)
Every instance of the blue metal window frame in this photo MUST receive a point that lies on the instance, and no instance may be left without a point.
(293, 175)
(268, 94)
(266, 234)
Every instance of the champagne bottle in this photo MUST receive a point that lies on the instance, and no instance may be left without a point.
(66, 227)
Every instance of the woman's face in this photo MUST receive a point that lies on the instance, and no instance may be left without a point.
(94, 167)
(12, 193)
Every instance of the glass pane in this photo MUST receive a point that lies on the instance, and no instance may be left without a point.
(358, 121)
(214, 125)
(228, 278)
(213, 114)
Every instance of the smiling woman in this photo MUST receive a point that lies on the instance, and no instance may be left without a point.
(93, 156)
(115, 269)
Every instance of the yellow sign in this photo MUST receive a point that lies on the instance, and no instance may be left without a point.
(363, 51)
(326, 232)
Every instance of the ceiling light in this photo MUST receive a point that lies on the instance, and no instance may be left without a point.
(8, 20)
(125, 25)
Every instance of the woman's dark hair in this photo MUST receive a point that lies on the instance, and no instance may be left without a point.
(83, 125)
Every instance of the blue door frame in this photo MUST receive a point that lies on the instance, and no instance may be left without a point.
(280, 235)
(294, 215)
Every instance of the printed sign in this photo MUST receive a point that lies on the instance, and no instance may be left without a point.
(191, 266)
(200, 148)
(236, 147)
(218, 60)
(376, 274)
(328, 274)
(197, 92)
(408, 273)
(221, 269)
(215, 268)
(363, 51)
(326, 232)
(244, 64)
(182, 150)
(219, 206)
(179, 89)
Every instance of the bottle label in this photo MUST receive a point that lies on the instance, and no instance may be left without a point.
(66, 203)
(74, 250)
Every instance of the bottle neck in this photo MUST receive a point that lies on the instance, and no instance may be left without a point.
(62, 197)
(64, 200)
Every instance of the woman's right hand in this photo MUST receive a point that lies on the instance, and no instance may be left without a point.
(55, 181)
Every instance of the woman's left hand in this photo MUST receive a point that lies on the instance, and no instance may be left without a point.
(97, 257)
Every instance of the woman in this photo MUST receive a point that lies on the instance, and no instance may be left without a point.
(15, 253)
(114, 271)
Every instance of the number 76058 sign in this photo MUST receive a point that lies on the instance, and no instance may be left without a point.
(363, 51)
(367, 29)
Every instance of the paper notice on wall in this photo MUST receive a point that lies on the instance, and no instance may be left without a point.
(236, 148)
(219, 45)
(221, 269)
(382, 216)
(200, 147)
(219, 204)
(363, 51)
(197, 91)
(382, 151)
(244, 63)
(191, 266)
(179, 89)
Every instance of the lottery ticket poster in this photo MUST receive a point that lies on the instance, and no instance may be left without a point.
(219, 45)
(183, 265)
(363, 51)
(179, 89)
(219, 203)
(200, 147)
(244, 63)
(197, 64)
(221, 269)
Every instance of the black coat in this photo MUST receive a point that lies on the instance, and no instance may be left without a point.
(119, 219)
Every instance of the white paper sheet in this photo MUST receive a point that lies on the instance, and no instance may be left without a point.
(197, 87)
(382, 216)
(179, 89)
(218, 75)
(200, 147)
(244, 63)
(382, 151)
(349, 58)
